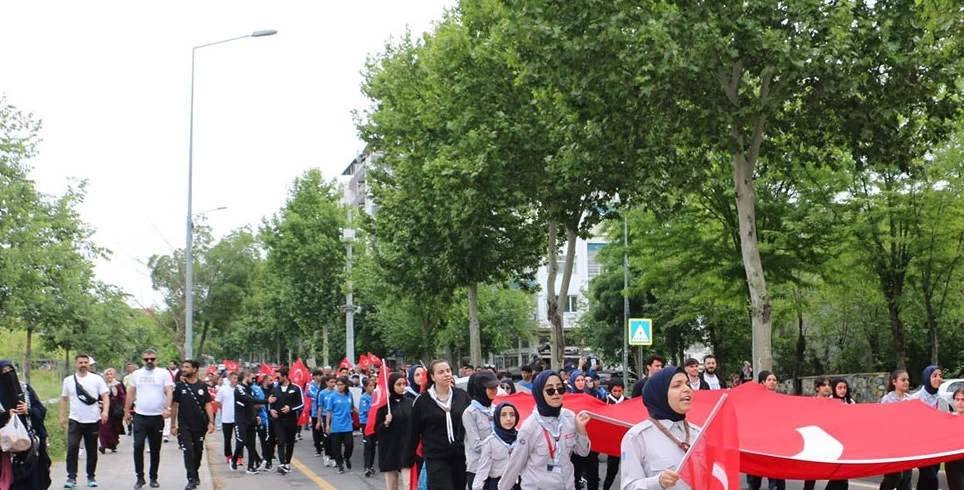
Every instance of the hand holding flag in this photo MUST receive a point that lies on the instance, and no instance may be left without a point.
(713, 461)
(379, 399)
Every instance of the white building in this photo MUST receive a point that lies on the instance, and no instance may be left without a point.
(354, 180)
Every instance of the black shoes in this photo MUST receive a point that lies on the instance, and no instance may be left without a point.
(140, 483)
(348, 463)
(154, 484)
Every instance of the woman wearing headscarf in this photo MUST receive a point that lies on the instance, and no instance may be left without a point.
(477, 418)
(932, 379)
(19, 399)
(416, 378)
(391, 430)
(899, 383)
(496, 448)
(546, 440)
(615, 397)
(437, 424)
(587, 467)
(507, 385)
(653, 447)
(111, 431)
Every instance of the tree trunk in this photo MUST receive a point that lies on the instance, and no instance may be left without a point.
(27, 361)
(897, 331)
(801, 349)
(931, 330)
(557, 337)
(204, 336)
(761, 307)
(325, 357)
(475, 334)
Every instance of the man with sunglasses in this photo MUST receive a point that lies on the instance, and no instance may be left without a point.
(152, 392)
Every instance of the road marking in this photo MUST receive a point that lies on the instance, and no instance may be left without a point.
(311, 475)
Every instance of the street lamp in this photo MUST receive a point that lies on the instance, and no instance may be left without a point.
(189, 266)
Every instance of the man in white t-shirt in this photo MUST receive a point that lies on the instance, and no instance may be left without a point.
(85, 416)
(709, 374)
(151, 394)
(225, 401)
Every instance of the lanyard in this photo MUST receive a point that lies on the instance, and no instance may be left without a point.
(552, 450)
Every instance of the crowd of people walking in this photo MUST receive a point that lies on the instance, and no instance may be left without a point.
(425, 431)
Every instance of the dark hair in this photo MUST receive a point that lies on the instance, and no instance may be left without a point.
(763, 376)
(430, 382)
(616, 382)
(959, 391)
(149, 351)
(325, 378)
(193, 362)
(819, 381)
(653, 358)
(468, 366)
(317, 372)
(343, 380)
(283, 372)
(232, 373)
(538, 368)
(892, 379)
(78, 356)
(526, 369)
(691, 362)
(709, 356)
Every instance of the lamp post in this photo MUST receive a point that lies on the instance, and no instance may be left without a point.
(189, 266)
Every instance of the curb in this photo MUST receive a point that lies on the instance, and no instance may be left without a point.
(216, 481)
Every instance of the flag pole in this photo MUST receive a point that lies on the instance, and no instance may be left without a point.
(706, 424)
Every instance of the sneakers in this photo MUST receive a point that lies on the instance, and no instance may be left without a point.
(251, 471)
(267, 466)
(102, 449)
(227, 460)
(154, 484)
(317, 454)
(369, 472)
(262, 465)
(348, 463)
(284, 469)
(287, 468)
(91, 483)
(234, 465)
(70, 483)
(341, 469)
(140, 483)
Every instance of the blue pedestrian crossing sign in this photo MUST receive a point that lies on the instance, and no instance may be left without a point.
(640, 331)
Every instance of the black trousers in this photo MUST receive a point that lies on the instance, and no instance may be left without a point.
(89, 433)
(149, 428)
(317, 436)
(586, 467)
(756, 481)
(193, 444)
(955, 474)
(927, 477)
(446, 474)
(285, 430)
(897, 481)
(368, 457)
(342, 446)
(268, 442)
(246, 435)
(227, 430)
(831, 485)
(612, 469)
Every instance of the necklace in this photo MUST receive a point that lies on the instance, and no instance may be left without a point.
(685, 446)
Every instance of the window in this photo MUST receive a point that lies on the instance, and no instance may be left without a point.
(572, 304)
(591, 259)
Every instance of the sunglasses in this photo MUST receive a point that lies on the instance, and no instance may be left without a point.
(150, 359)
(552, 390)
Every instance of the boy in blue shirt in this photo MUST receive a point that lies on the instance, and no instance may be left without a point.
(338, 409)
(314, 387)
(321, 401)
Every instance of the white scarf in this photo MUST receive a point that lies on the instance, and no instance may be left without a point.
(446, 407)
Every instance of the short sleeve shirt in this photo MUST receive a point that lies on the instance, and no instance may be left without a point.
(340, 407)
(190, 399)
(226, 398)
(95, 386)
(149, 386)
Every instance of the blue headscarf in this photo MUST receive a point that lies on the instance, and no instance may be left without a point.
(538, 385)
(411, 378)
(656, 394)
(507, 436)
(928, 371)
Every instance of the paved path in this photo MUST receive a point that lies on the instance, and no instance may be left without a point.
(116, 470)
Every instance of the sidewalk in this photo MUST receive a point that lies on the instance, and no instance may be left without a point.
(116, 470)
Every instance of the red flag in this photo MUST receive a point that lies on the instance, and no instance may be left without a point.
(299, 374)
(231, 366)
(345, 364)
(374, 360)
(379, 399)
(713, 463)
(364, 362)
(212, 369)
(267, 369)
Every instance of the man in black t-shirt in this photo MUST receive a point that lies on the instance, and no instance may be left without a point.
(193, 416)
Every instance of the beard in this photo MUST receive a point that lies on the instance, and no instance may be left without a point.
(709, 371)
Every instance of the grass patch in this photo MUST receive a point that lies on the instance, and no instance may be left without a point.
(57, 437)
(47, 384)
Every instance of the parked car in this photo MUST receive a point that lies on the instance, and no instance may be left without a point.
(948, 387)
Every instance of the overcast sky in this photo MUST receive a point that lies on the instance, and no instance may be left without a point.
(111, 83)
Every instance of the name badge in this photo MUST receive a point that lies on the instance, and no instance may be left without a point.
(554, 468)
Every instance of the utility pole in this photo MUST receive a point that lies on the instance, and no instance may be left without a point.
(626, 299)
(349, 300)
